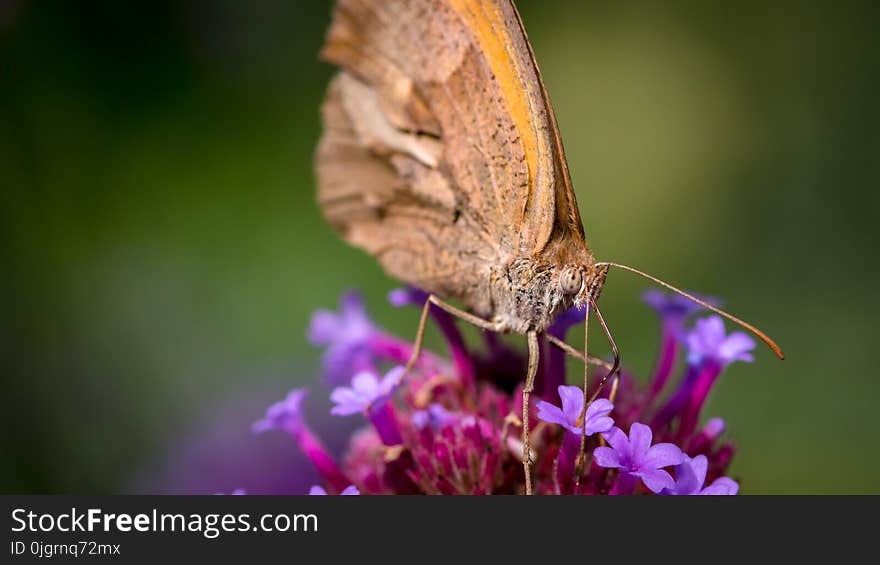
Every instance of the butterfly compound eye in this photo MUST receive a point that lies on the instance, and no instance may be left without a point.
(570, 280)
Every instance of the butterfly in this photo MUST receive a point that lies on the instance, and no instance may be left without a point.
(441, 157)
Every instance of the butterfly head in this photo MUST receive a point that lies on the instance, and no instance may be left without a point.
(581, 284)
(571, 281)
(529, 294)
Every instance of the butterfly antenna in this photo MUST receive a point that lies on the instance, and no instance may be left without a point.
(770, 343)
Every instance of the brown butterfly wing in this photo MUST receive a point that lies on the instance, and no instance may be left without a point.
(440, 154)
(568, 217)
(382, 198)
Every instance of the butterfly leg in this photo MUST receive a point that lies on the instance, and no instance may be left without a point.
(581, 458)
(615, 366)
(491, 326)
(423, 322)
(526, 393)
(614, 370)
(571, 351)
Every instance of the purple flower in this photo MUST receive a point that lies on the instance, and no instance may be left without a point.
(710, 351)
(285, 415)
(703, 441)
(673, 310)
(708, 341)
(435, 417)
(673, 307)
(714, 428)
(690, 475)
(596, 419)
(350, 490)
(347, 335)
(368, 395)
(636, 457)
(407, 296)
(366, 390)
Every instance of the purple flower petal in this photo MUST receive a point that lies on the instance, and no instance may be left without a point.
(349, 325)
(320, 491)
(656, 299)
(736, 348)
(699, 466)
(674, 307)
(618, 441)
(551, 413)
(420, 419)
(606, 457)
(690, 475)
(436, 417)
(572, 403)
(347, 402)
(356, 398)
(597, 419)
(721, 486)
(285, 415)
(714, 428)
(390, 380)
(366, 390)
(347, 335)
(640, 437)
(407, 297)
(324, 327)
(662, 455)
(343, 360)
(656, 479)
(711, 330)
(351, 305)
(636, 457)
(365, 384)
(708, 341)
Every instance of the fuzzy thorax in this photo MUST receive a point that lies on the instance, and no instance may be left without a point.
(527, 295)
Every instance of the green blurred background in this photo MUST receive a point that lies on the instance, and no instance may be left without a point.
(162, 252)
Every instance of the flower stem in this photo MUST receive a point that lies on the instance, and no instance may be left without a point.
(625, 484)
(668, 354)
(385, 421)
(565, 471)
(708, 374)
(323, 462)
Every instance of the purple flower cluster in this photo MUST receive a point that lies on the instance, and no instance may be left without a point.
(452, 426)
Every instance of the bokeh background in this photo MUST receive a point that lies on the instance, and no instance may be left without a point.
(162, 252)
